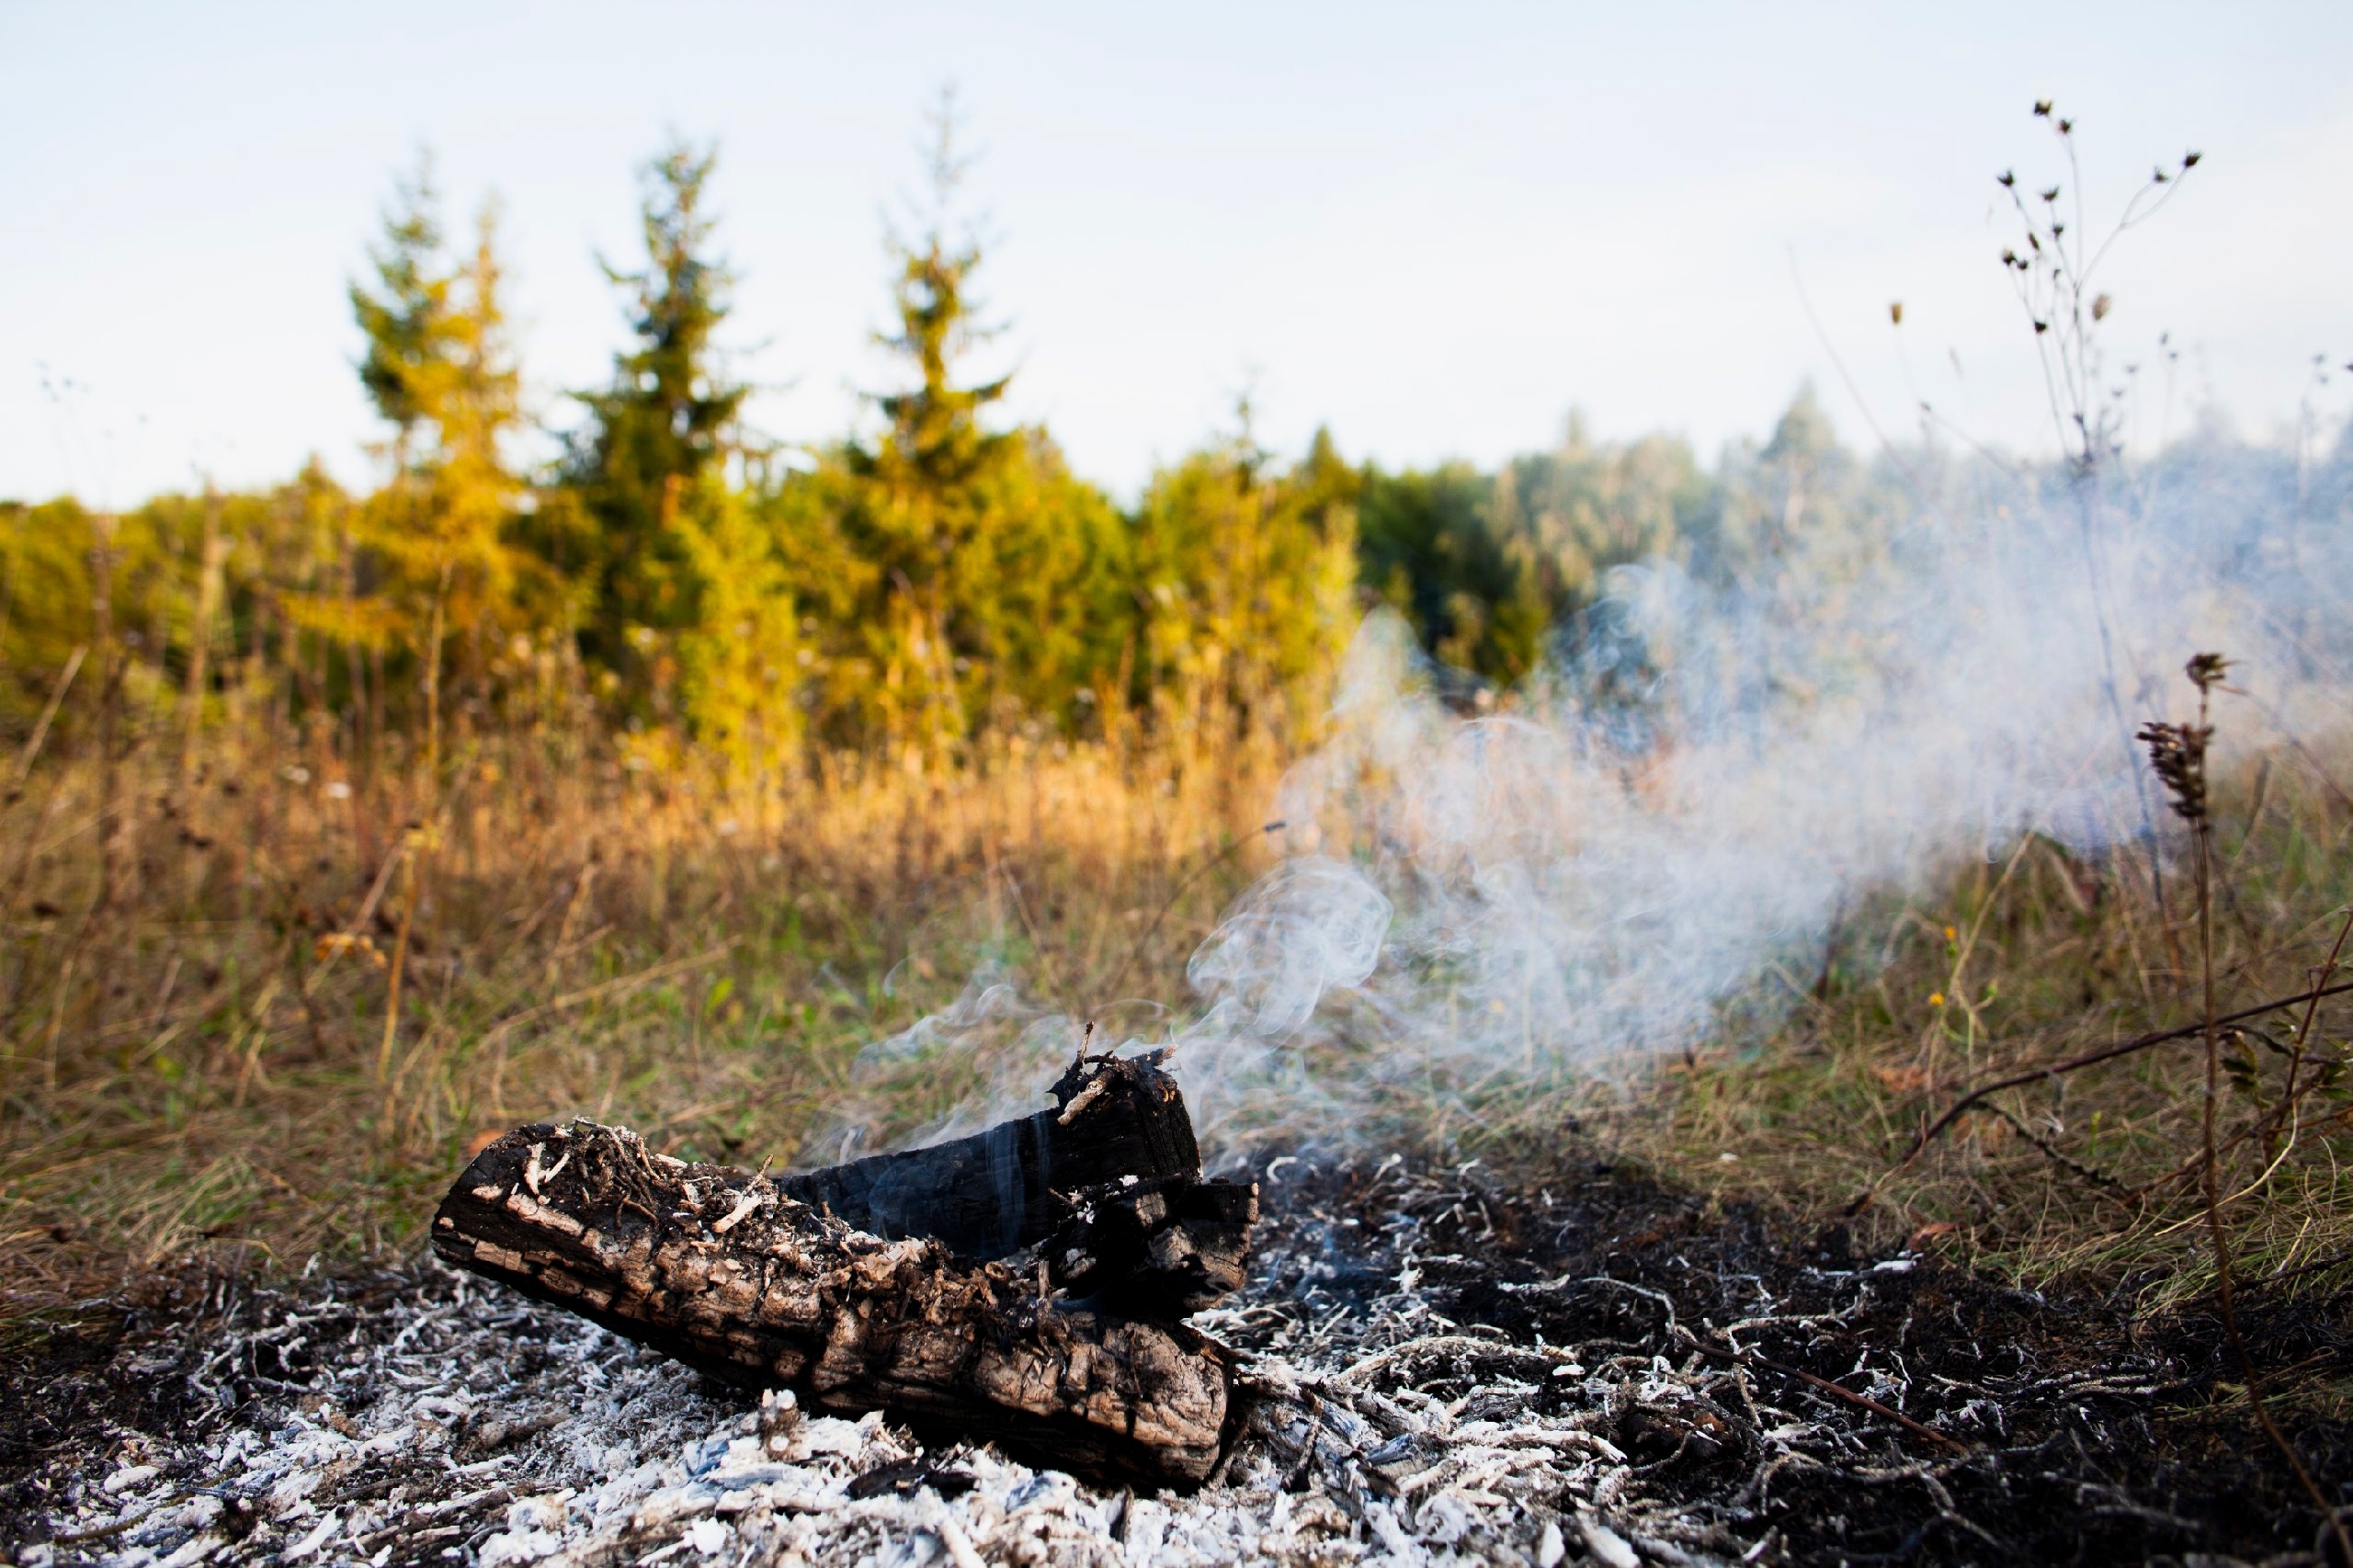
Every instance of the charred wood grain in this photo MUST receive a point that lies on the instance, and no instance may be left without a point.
(997, 1191)
(1153, 1249)
(1067, 1348)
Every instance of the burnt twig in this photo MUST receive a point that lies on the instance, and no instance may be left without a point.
(1742, 1356)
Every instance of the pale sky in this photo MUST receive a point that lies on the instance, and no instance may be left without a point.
(1437, 229)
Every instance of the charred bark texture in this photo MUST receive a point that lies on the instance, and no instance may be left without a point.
(1066, 1348)
(1157, 1249)
(998, 1191)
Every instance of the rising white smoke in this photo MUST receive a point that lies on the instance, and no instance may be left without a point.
(1671, 819)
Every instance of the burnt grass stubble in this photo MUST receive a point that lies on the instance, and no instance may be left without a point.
(2089, 1439)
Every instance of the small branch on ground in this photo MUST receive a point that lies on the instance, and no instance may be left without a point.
(1962, 1106)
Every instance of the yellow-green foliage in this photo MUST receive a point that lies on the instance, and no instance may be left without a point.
(739, 664)
(1247, 582)
(272, 545)
(48, 607)
(1046, 597)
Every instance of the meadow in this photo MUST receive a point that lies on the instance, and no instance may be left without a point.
(1768, 830)
(264, 1004)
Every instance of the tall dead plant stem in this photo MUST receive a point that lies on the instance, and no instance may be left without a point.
(2177, 755)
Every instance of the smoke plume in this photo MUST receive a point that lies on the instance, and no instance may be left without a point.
(1664, 830)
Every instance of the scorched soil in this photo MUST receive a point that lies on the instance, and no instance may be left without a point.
(1448, 1366)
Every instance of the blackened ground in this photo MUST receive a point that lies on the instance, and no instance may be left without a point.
(2088, 1438)
(1419, 1291)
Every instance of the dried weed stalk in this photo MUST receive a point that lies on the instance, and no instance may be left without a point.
(2177, 757)
(2055, 277)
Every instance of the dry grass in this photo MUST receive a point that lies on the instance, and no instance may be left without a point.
(200, 1053)
(201, 1056)
(2030, 961)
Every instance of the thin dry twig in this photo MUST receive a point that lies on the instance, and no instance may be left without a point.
(49, 714)
(2290, 1101)
(1860, 1401)
(1961, 1106)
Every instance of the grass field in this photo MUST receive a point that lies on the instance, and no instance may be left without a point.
(270, 1005)
(259, 1002)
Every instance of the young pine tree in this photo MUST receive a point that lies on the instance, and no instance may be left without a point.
(667, 421)
(993, 573)
(441, 370)
(405, 316)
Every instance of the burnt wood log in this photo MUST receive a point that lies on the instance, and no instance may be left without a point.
(1066, 1348)
(1153, 1249)
(1000, 1191)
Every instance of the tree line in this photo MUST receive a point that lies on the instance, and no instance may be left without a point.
(903, 594)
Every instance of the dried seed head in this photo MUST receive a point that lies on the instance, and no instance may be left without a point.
(1895, 312)
(2101, 305)
(2205, 670)
(2177, 757)
(2178, 752)
(2189, 160)
(2043, 108)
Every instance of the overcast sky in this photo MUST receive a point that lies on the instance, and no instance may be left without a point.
(1437, 229)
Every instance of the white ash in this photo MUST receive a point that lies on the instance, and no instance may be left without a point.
(448, 1421)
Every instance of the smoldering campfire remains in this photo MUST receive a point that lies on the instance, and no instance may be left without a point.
(1023, 1284)
(1519, 1348)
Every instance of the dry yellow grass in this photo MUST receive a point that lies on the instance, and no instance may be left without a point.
(197, 983)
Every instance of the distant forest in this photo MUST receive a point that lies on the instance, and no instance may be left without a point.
(694, 585)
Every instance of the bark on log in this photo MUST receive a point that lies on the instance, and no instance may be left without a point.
(740, 1275)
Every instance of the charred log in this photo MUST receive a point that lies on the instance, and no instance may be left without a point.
(1153, 1249)
(995, 1192)
(1066, 1348)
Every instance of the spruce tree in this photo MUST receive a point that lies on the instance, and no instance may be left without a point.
(667, 420)
(441, 370)
(404, 317)
(993, 577)
(969, 579)
(921, 517)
